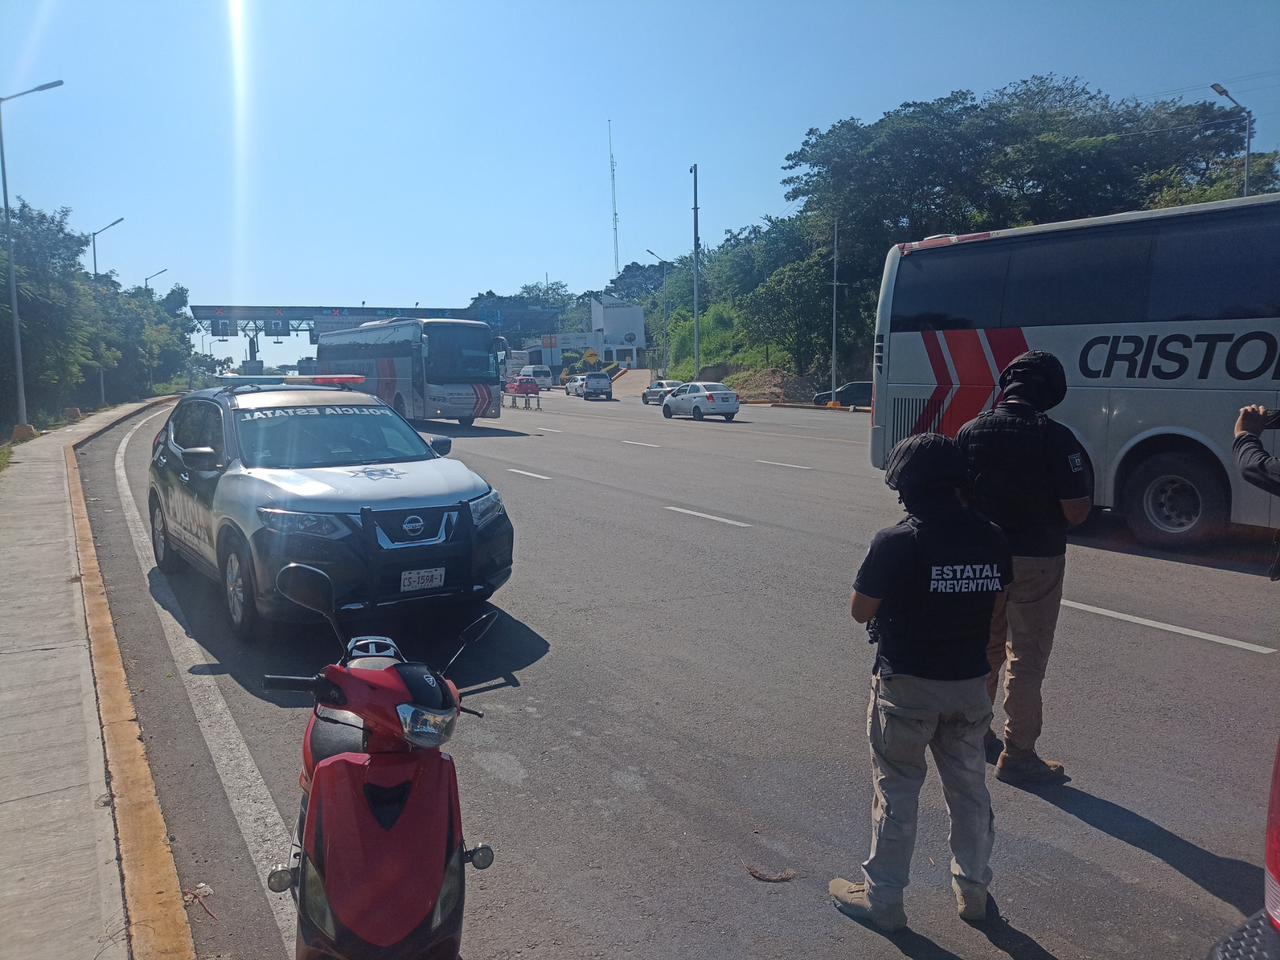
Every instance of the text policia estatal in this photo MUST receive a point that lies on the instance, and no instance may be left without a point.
(270, 412)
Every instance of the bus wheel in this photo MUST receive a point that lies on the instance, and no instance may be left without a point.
(1175, 500)
(466, 421)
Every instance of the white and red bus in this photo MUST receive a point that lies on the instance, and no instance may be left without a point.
(1167, 322)
(424, 368)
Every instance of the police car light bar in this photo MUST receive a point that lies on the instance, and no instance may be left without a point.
(328, 380)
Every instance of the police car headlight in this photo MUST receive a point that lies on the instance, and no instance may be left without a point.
(486, 509)
(311, 524)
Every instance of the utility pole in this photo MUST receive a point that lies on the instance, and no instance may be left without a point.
(666, 313)
(19, 383)
(613, 190)
(697, 335)
(835, 286)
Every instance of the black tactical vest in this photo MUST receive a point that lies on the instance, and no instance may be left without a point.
(1008, 460)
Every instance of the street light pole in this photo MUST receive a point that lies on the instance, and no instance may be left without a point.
(13, 273)
(697, 336)
(94, 238)
(147, 280)
(666, 313)
(1221, 91)
(835, 287)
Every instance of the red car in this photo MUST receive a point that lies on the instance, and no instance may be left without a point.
(1259, 937)
(522, 385)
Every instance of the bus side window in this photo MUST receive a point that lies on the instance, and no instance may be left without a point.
(1222, 269)
(1095, 276)
(949, 289)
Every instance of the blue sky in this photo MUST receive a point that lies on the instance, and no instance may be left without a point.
(320, 152)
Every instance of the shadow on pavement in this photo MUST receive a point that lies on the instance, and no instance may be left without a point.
(1232, 881)
(426, 634)
(456, 430)
(1002, 935)
(1244, 549)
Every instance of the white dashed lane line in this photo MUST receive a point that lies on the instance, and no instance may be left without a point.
(526, 473)
(637, 443)
(708, 516)
(549, 430)
(1168, 627)
(775, 463)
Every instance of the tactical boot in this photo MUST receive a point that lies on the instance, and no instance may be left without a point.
(851, 900)
(971, 900)
(1025, 767)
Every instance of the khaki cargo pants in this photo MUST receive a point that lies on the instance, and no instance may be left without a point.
(1022, 626)
(949, 717)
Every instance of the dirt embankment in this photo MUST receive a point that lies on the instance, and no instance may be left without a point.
(773, 385)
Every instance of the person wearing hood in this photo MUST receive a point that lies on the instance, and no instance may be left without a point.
(926, 591)
(1027, 474)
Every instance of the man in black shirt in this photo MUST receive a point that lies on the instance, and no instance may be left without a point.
(1028, 477)
(1256, 465)
(926, 591)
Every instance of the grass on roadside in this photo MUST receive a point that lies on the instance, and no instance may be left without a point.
(5, 452)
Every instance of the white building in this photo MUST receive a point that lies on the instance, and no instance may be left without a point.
(617, 334)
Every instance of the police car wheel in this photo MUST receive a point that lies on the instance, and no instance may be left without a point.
(168, 560)
(1175, 500)
(238, 593)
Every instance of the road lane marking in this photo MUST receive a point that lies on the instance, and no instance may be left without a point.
(526, 473)
(708, 516)
(775, 463)
(1171, 628)
(637, 443)
(549, 430)
(261, 826)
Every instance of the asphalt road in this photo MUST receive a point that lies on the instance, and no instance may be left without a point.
(676, 694)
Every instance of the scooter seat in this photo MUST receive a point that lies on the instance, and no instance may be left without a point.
(345, 734)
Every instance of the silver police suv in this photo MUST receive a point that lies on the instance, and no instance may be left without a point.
(247, 478)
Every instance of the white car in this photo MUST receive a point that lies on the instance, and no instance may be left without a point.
(574, 386)
(700, 400)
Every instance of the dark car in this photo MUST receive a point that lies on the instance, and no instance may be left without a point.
(245, 479)
(1258, 938)
(856, 393)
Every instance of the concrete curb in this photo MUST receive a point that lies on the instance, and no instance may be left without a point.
(156, 914)
(807, 406)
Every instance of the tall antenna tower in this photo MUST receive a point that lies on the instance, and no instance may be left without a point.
(613, 189)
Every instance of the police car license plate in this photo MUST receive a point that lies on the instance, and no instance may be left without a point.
(411, 580)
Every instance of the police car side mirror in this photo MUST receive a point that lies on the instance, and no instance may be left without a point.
(200, 458)
(442, 445)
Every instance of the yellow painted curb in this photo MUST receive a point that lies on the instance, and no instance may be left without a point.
(157, 917)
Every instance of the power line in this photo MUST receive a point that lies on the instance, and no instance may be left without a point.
(1245, 77)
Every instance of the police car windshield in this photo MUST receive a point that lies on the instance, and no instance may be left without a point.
(297, 438)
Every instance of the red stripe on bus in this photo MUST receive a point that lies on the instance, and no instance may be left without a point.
(974, 374)
(1006, 343)
(941, 377)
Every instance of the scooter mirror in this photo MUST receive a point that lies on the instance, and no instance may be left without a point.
(479, 628)
(481, 856)
(307, 587)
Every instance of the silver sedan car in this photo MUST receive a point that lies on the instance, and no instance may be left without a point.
(657, 391)
(700, 400)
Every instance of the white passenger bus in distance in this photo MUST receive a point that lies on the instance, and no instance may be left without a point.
(425, 368)
(1167, 322)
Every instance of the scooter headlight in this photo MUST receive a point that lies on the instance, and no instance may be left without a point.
(426, 728)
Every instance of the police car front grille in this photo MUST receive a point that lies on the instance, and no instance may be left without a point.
(392, 523)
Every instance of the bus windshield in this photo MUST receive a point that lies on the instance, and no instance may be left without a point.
(458, 354)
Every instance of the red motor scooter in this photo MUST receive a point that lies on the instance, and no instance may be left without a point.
(376, 867)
